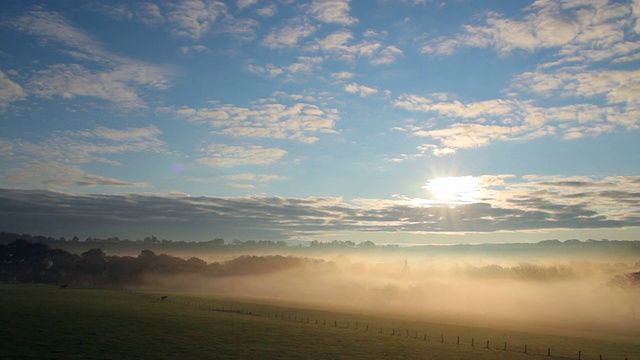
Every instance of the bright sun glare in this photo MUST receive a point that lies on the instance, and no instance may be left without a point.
(457, 190)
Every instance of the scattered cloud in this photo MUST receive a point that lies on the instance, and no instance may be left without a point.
(242, 4)
(299, 122)
(289, 35)
(305, 65)
(194, 18)
(226, 155)
(339, 44)
(480, 123)
(56, 161)
(9, 91)
(571, 27)
(268, 10)
(332, 11)
(363, 90)
(342, 75)
(387, 56)
(116, 79)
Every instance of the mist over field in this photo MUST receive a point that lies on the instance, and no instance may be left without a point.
(582, 293)
(582, 288)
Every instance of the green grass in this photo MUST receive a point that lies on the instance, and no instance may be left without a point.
(44, 322)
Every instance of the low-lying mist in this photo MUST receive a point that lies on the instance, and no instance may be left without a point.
(578, 294)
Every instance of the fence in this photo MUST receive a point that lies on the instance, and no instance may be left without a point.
(424, 336)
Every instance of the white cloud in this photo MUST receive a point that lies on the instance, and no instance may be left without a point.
(363, 90)
(227, 156)
(52, 174)
(149, 13)
(55, 161)
(289, 35)
(305, 65)
(480, 123)
(70, 81)
(339, 44)
(618, 86)
(242, 4)
(9, 91)
(579, 30)
(387, 56)
(194, 18)
(268, 10)
(332, 11)
(299, 122)
(194, 48)
(343, 75)
(116, 80)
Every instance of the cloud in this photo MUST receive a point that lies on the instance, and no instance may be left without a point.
(111, 77)
(387, 56)
(299, 122)
(480, 123)
(577, 30)
(363, 90)
(242, 181)
(149, 13)
(289, 35)
(227, 156)
(55, 161)
(339, 45)
(71, 81)
(305, 65)
(617, 86)
(194, 18)
(9, 91)
(242, 4)
(505, 203)
(267, 11)
(343, 75)
(332, 11)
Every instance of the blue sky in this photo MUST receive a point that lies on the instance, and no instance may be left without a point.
(321, 120)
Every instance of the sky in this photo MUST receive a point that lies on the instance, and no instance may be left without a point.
(396, 121)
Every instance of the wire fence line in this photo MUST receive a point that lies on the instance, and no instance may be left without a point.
(421, 335)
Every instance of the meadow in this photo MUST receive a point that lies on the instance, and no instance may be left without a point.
(46, 322)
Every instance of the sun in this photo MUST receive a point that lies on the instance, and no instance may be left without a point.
(454, 189)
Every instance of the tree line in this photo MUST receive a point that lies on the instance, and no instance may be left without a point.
(23, 261)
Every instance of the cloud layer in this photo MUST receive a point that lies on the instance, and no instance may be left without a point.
(501, 203)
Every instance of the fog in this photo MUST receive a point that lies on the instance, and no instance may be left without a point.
(580, 293)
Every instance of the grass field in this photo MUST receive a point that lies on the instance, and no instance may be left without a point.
(44, 322)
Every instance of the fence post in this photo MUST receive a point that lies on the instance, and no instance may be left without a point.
(525, 348)
(425, 337)
(442, 338)
(579, 355)
(548, 351)
(487, 344)
(505, 346)
(458, 341)
(367, 327)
